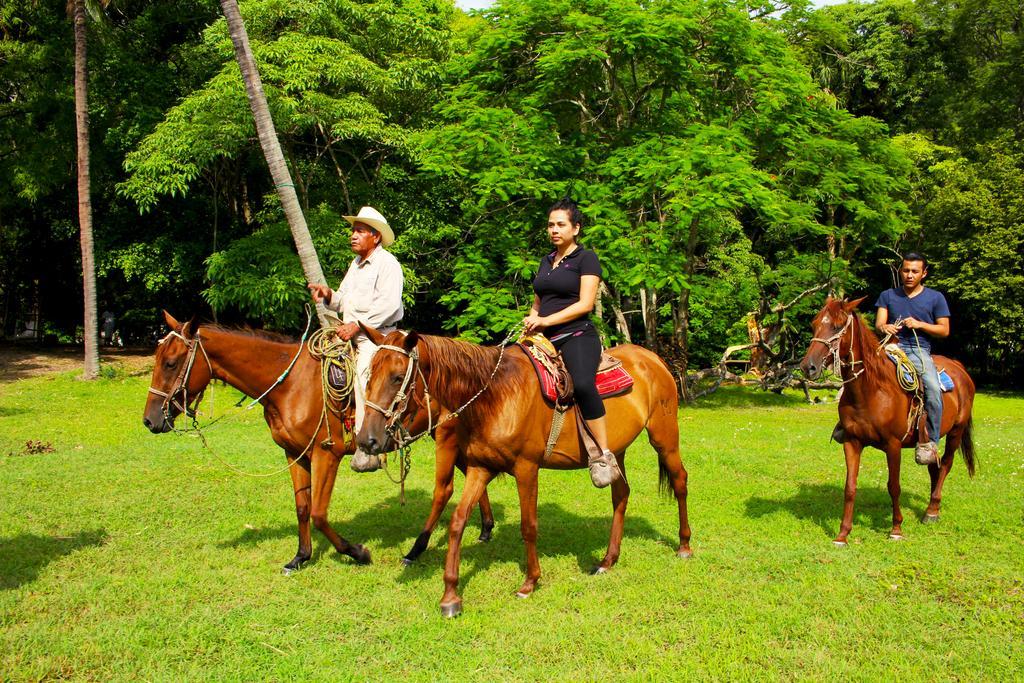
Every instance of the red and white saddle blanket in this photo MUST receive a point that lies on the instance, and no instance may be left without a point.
(612, 379)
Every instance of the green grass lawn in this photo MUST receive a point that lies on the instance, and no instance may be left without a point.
(129, 555)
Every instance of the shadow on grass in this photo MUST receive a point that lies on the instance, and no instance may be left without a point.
(560, 532)
(388, 525)
(747, 397)
(7, 411)
(23, 557)
(823, 505)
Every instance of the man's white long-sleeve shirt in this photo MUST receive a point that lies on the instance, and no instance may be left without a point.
(371, 291)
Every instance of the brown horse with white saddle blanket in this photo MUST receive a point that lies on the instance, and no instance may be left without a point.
(502, 426)
(874, 410)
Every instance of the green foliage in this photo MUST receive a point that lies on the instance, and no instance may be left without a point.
(261, 276)
(687, 131)
(975, 217)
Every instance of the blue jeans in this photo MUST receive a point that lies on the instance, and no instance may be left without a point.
(922, 360)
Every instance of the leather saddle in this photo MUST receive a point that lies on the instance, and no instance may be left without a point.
(555, 382)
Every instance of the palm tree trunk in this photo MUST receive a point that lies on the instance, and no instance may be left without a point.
(272, 148)
(90, 324)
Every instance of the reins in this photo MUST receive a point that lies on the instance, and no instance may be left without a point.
(180, 386)
(833, 343)
(399, 404)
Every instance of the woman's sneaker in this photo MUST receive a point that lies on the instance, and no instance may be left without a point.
(604, 469)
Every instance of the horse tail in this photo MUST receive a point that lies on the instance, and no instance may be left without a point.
(664, 480)
(967, 446)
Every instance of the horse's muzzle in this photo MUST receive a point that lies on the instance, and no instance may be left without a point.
(810, 369)
(159, 427)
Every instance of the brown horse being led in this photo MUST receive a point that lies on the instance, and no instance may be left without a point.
(251, 362)
(505, 429)
(873, 408)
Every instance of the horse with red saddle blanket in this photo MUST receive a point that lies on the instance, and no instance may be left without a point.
(494, 415)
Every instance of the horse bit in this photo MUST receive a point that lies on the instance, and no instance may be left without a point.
(833, 344)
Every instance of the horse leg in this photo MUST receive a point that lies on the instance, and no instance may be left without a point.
(301, 484)
(663, 434)
(325, 470)
(526, 482)
(476, 482)
(620, 498)
(893, 458)
(444, 472)
(486, 518)
(937, 473)
(852, 450)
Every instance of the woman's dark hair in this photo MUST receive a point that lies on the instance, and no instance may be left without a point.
(566, 204)
(915, 256)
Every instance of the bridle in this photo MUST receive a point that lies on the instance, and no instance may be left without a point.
(833, 343)
(393, 425)
(180, 385)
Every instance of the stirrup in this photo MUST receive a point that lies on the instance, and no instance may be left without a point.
(604, 469)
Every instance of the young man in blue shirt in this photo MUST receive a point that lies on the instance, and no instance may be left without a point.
(914, 313)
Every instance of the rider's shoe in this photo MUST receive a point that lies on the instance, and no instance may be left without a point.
(927, 453)
(604, 469)
(364, 462)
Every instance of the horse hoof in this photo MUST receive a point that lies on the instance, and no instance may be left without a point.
(599, 569)
(362, 555)
(485, 536)
(406, 562)
(288, 571)
(451, 610)
(839, 544)
(522, 596)
(929, 519)
(895, 537)
(684, 554)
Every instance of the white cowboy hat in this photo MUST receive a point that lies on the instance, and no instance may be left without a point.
(370, 216)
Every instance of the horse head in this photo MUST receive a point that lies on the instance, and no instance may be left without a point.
(396, 409)
(180, 375)
(831, 326)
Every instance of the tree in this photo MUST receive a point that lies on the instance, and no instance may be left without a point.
(272, 149)
(708, 160)
(345, 84)
(90, 318)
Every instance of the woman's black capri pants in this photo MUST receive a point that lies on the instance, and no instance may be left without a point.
(582, 354)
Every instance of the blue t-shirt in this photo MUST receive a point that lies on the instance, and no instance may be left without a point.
(928, 306)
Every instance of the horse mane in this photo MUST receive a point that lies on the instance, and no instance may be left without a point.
(246, 331)
(460, 369)
(876, 373)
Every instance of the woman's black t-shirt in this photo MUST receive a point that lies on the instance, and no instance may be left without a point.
(560, 287)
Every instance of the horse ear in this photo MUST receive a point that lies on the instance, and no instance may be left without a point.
(171, 322)
(190, 328)
(851, 306)
(410, 341)
(371, 332)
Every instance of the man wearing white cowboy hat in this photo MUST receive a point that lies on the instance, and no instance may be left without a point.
(371, 292)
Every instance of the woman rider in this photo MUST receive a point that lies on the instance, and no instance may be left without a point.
(565, 289)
